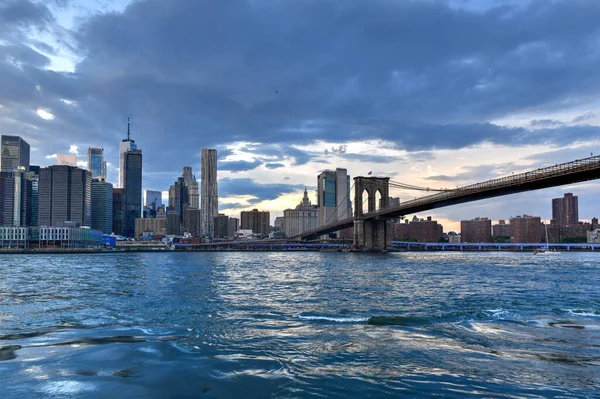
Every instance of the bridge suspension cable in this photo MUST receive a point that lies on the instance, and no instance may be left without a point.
(405, 186)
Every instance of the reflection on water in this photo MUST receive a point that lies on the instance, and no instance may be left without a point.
(299, 324)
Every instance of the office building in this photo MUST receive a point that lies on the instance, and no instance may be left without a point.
(192, 186)
(14, 152)
(173, 222)
(179, 198)
(102, 206)
(300, 219)
(153, 199)
(125, 146)
(66, 159)
(192, 221)
(225, 226)
(34, 178)
(333, 196)
(257, 221)
(565, 210)
(476, 230)
(118, 211)
(528, 229)
(96, 163)
(419, 230)
(65, 196)
(15, 199)
(209, 191)
(133, 190)
(151, 226)
(279, 224)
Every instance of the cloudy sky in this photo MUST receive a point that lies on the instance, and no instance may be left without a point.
(429, 92)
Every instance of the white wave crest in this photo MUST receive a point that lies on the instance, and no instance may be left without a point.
(335, 319)
(582, 312)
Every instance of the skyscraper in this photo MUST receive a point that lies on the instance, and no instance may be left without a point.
(133, 190)
(14, 152)
(118, 211)
(102, 206)
(257, 221)
(209, 191)
(66, 159)
(15, 199)
(192, 186)
(333, 200)
(125, 145)
(64, 196)
(96, 163)
(153, 199)
(565, 210)
(179, 198)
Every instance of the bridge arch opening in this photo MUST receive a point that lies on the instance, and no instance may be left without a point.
(378, 197)
(365, 202)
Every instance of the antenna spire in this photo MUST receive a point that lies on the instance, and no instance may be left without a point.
(128, 139)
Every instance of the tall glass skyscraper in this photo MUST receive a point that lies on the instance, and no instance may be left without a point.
(133, 190)
(14, 152)
(333, 197)
(125, 145)
(96, 164)
(209, 194)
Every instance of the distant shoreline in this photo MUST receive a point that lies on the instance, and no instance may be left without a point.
(75, 251)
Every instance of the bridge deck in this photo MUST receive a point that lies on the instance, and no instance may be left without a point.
(567, 173)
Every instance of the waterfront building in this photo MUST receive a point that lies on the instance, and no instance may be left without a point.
(14, 152)
(528, 229)
(119, 211)
(333, 196)
(66, 159)
(453, 238)
(301, 219)
(125, 146)
(96, 163)
(256, 221)
(225, 226)
(209, 191)
(502, 229)
(476, 230)
(153, 199)
(133, 190)
(419, 230)
(64, 196)
(593, 236)
(64, 237)
(15, 198)
(151, 226)
(221, 226)
(192, 221)
(102, 206)
(173, 223)
(33, 176)
(565, 210)
(233, 225)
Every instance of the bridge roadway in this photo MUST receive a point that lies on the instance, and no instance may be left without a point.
(567, 173)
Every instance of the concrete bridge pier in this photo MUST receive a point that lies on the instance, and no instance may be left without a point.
(372, 234)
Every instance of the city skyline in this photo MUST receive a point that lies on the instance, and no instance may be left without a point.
(418, 115)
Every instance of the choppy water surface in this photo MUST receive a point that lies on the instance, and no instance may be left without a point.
(299, 325)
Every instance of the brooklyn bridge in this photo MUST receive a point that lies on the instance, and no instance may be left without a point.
(372, 229)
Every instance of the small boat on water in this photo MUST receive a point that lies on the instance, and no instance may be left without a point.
(545, 250)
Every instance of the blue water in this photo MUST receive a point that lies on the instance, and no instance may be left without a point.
(286, 325)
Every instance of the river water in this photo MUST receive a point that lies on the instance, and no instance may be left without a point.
(299, 324)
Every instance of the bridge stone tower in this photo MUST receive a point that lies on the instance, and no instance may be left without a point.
(371, 233)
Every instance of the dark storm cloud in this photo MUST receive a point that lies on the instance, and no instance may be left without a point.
(262, 192)
(238, 166)
(204, 74)
(274, 165)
